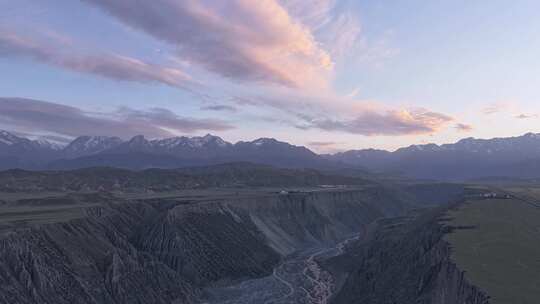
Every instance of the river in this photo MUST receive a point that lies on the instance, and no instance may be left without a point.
(299, 279)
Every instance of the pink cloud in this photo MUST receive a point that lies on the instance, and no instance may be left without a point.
(238, 39)
(333, 113)
(57, 52)
(375, 123)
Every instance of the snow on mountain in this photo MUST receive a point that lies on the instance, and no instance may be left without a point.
(191, 142)
(86, 145)
(467, 158)
(9, 139)
(138, 141)
(264, 141)
(21, 143)
(49, 145)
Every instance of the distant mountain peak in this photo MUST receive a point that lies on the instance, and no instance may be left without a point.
(265, 141)
(95, 140)
(532, 135)
(464, 158)
(209, 138)
(138, 138)
(138, 142)
(424, 148)
(195, 142)
(86, 145)
(50, 145)
(9, 139)
(471, 157)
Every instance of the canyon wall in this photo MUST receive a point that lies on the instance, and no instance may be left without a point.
(406, 261)
(163, 251)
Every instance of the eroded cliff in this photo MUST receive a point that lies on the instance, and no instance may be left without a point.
(405, 261)
(160, 251)
(174, 249)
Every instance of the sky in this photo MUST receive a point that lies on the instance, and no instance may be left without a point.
(331, 75)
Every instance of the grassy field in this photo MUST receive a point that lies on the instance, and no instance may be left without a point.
(501, 255)
(24, 210)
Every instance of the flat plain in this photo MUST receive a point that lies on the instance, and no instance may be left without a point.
(499, 249)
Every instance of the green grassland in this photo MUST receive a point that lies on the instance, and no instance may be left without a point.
(501, 254)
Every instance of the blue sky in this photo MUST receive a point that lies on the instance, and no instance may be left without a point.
(331, 75)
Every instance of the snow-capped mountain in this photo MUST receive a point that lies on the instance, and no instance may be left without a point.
(88, 145)
(136, 144)
(8, 139)
(20, 152)
(467, 158)
(15, 143)
(182, 147)
(528, 144)
(191, 142)
(192, 147)
(49, 144)
(139, 152)
(270, 147)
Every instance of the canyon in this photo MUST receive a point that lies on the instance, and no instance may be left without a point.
(221, 245)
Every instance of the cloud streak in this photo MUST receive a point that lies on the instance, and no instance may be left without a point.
(333, 113)
(526, 116)
(29, 115)
(391, 122)
(111, 66)
(495, 108)
(323, 143)
(238, 39)
(461, 127)
(220, 108)
(325, 146)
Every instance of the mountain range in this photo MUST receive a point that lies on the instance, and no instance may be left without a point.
(141, 153)
(470, 158)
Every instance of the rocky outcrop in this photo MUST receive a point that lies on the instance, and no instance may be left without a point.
(296, 221)
(207, 244)
(406, 261)
(90, 260)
